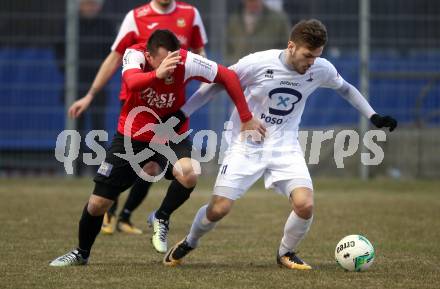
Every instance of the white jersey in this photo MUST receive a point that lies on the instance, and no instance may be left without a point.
(277, 95)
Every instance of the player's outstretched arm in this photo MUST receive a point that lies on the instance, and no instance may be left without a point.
(229, 79)
(105, 72)
(203, 95)
(355, 98)
(208, 71)
(205, 70)
(231, 83)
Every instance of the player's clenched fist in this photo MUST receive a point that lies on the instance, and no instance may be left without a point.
(169, 63)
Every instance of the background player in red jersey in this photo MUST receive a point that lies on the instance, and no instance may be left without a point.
(185, 22)
(156, 79)
(180, 18)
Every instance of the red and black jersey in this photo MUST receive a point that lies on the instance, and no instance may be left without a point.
(142, 88)
(162, 97)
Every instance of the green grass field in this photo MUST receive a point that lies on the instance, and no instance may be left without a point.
(39, 220)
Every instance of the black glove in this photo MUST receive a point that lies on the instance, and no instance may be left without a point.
(383, 121)
(179, 115)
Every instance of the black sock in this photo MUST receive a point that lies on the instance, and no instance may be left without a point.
(113, 208)
(137, 194)
(175, 197)
(89, 227)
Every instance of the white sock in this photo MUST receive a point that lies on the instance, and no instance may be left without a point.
(295, 230)
(200, 226)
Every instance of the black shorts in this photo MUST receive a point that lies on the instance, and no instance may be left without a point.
(115, 174)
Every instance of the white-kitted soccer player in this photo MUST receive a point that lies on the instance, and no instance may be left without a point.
(276, 84)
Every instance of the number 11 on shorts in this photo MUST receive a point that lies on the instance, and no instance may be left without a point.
(223, 170)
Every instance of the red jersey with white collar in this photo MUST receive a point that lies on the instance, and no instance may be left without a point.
(182, 19)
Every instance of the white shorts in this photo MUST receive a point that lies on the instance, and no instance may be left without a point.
(283, 171)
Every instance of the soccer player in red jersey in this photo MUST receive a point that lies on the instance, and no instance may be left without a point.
(185, 22)
(180, 18)
(154, 81)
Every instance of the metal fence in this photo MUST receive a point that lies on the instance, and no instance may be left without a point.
(403, 77)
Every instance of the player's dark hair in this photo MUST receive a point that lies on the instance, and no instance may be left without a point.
(310, 33)
(162, 38)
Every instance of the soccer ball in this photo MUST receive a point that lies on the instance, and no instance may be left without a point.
(354, 253)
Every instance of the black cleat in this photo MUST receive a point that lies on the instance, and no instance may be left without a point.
(291, 261)
(175, 255)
